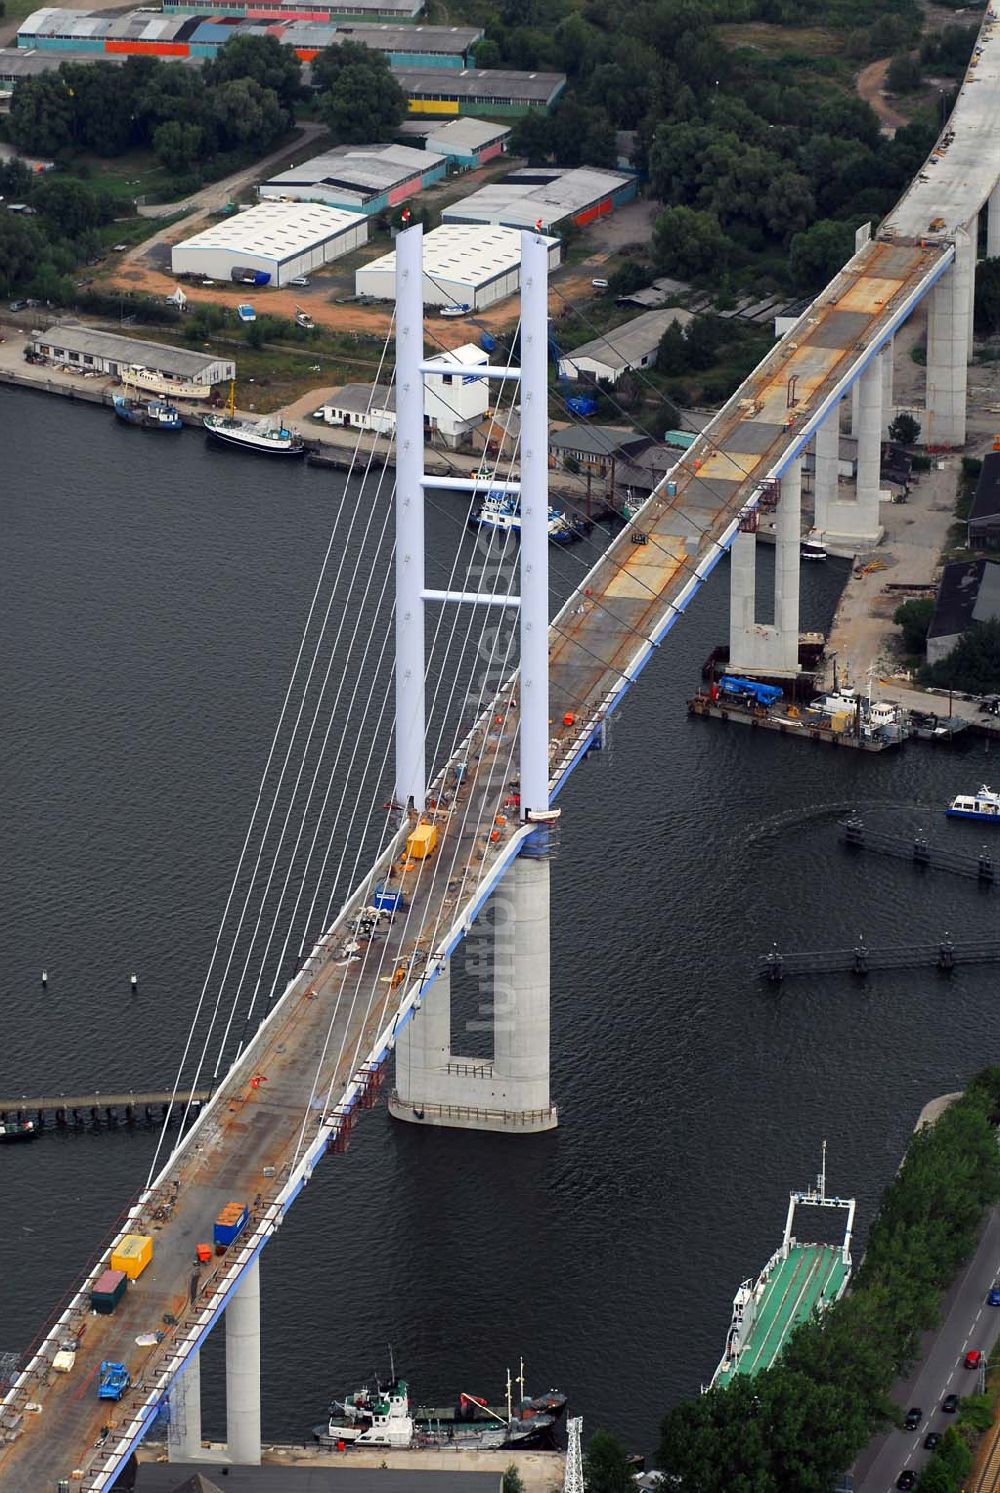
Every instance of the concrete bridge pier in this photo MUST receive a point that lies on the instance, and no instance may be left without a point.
(762, 647)
(423, 1054)
(948, 338)
(993, 223)
(852, 523)
(243, 1371)
(826, 457)
(184, 1425)
(885, 359)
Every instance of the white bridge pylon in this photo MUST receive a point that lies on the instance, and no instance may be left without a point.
(434, 1085)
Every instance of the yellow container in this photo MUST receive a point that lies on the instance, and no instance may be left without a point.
(841, 722)
(422, 842)
(133, 1255)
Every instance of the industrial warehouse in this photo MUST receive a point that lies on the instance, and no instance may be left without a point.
(468, 143)
(545, 198)
(152, 33)
(108, 352)
(292, 10)
(358, 178)
(278, 240)
(464, 265)
(478, 90)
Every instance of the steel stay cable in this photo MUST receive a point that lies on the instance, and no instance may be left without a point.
(319, 643)
(199, 1006)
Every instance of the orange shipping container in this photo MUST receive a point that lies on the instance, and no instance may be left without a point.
(133, 1254)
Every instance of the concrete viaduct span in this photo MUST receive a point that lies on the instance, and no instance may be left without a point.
(319, 1058)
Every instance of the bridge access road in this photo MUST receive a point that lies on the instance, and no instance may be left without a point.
(967, 1322)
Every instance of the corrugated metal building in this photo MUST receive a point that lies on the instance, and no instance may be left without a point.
(633, 345)
(110, 352)
(281, 239)
(464, 265)
(468, 143)
(969, 592)
(358, 178)
(159, 34)
(547, 198)
(300, 10)
(984, 517)
(478, 91)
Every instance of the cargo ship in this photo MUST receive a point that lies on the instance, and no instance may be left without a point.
(798, 1280)
(384, 1416)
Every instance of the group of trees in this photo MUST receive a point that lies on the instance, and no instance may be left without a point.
(359, 99)
(240, 102)
(801, 1424)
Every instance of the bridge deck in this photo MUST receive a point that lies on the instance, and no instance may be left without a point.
(331, 1016)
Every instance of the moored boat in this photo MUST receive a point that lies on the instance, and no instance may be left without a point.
(384, 1416)
(456, 310)
(13, 1131)
(262, 436)
(798, 1280)
(982, 806)
(149, 414)
(811, 549)
(502, 511)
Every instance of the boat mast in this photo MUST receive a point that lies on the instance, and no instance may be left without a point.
(520, 1379)
(821, 1179)
(510, 1408)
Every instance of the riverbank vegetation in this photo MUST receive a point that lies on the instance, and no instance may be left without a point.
(802, 1423)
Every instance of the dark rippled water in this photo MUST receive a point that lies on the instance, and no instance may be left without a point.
(153, 595)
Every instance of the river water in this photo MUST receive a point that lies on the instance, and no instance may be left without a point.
(153, 596)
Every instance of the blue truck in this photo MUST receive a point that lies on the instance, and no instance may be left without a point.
(112, 1380)
(750, 689)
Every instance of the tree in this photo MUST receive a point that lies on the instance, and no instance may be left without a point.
(672, 353)
(262, 58)
(42, 115)
(178, 145)
(20, 248)
(486, 53)
(512, 1481)
(686, 242)
(904, 430)
(817, 253)
(363, 105)
(246, 114)
(605, 1465)
(71, 207)
(973, 665)
(904, 73)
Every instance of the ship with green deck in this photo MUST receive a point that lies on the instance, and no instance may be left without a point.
(798, 1280)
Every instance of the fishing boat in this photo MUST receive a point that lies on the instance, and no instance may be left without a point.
(263, 436)
(384, 1416)
(150, 414)
(798, 1280)
(984, 805)
(502, 511)
(14, 1131)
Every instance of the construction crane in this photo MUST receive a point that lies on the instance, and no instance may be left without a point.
(573, 1479)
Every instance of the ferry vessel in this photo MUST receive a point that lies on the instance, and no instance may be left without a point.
(984, 805)
(384, 1416)
(798, 1280)
(262, 436)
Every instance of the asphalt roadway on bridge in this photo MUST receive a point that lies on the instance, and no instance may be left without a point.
(967, 1322)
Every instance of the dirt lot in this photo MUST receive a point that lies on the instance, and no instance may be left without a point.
(871, 87)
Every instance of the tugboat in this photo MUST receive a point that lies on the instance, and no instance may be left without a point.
(383, 1416)
(253, 435)
(150, 414)
(983, 805)
(13, 1131)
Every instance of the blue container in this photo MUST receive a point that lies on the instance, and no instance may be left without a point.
(487, 342)
(230, 1224)
(387, 901)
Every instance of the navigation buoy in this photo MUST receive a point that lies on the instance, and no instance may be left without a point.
(134, 980)
(45, 978)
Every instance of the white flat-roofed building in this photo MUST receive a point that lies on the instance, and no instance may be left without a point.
(546, 196)
(469, 143)
(633, 345)
(464, 265)
(455, 400)
(110, 352)
(358, 178)
(280, 239)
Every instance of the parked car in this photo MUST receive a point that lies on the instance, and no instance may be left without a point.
(300, 280)
(18, 306)
(949, 1404)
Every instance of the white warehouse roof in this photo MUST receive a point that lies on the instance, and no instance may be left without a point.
(274, 230)
(367, 169)
(466, 254)
(466, 134)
